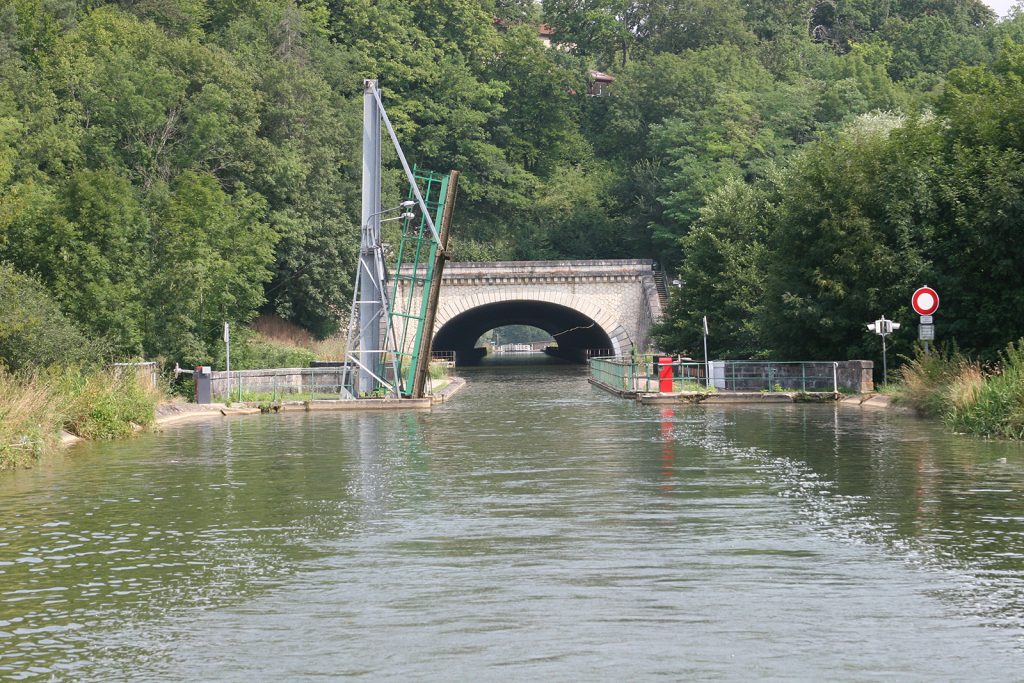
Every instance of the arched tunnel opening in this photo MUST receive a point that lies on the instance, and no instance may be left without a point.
(575, 333)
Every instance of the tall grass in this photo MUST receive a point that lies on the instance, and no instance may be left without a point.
(947, 385)
(998, 408)
(90, 403)
(273, 330)
(104, 405)
(29, 420)
(929, 382)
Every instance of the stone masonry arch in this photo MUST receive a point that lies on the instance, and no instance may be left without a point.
(616, 333)
(618, 296)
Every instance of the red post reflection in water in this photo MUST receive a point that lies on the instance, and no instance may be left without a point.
(667, 450)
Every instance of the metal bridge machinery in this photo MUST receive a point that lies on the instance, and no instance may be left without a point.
(388, 337)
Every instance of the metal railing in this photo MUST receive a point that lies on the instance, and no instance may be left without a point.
(282, 384)
(803, 376)
(642, 374)
(145, 370)
(273, 385)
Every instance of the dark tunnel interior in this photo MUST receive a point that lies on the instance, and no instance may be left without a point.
(575, 332)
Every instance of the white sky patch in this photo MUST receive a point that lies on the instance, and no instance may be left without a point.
(1001, 7)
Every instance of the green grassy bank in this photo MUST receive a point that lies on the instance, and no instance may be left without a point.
(970, 398)
(93, 404)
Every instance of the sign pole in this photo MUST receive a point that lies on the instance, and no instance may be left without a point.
(227, 343)
(925, 301)
(885, 356)
(707, 367)
(883, 328)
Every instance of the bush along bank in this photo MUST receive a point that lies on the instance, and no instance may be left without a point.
(97, 404)
(970, 399)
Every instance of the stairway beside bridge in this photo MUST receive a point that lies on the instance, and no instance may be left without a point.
(661, 284)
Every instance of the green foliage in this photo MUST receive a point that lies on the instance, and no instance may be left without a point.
(927, 380)
(29, 420)
(34, 332)
(947, 384)
(168, 165)
(256, 354)
(102, 404)
(515, 334)
(998, 406)
(437, 371)
(854, 215)
(214, 253)
(615, 30)
(722, 277)
(90, 403)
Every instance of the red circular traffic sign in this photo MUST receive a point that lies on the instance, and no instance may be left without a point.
(925, 301)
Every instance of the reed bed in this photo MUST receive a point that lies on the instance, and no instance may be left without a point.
(970, 399)
(29, 420)
(35, 408)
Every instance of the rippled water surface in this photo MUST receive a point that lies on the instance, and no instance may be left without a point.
(532, 528)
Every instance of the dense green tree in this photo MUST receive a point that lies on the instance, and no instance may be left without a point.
(308, 135)
(34, 332)
(604, 30)
(722, 276)
(978, 247)
(169, 164)
(211, 256)
(854, 216)
(538, 127)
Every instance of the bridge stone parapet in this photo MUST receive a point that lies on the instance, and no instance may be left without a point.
(585, 305)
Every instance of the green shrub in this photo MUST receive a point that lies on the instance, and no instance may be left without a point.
(437, 371)
(253, 353)
(102, 404)
(92, 404)
(33, 330)
(927, 379)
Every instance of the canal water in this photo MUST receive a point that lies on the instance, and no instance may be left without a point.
(533, 528)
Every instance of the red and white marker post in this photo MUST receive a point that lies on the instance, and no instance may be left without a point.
(925, 301)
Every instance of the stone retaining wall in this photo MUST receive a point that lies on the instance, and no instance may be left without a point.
(857, 376)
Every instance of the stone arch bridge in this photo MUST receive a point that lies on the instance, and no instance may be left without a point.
(586, 306)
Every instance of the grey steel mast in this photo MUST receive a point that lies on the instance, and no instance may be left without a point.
(370, 286)
(374, 339)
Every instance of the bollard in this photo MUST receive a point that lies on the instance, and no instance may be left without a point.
(665, 375)
(204, 384)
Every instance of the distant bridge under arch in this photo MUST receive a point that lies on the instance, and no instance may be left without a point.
(587, 306)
